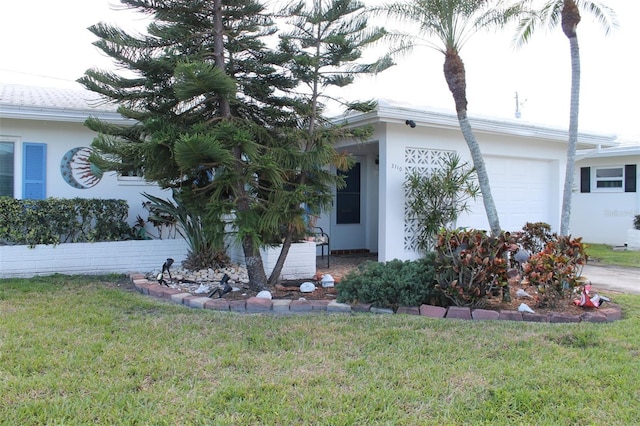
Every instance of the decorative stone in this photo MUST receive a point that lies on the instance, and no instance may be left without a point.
(201, 289)
(523, 294)
(307, 287)
(525, 308)
(535, 317)
(327, 281)
(264, 294)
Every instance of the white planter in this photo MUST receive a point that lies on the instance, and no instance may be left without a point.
(633, 239)
(90, 258)
(300, 262)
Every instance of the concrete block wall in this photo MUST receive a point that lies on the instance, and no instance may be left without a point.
(90, 258)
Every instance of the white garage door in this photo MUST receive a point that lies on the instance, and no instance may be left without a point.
(524, 190)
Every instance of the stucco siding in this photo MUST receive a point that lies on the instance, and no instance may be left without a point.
(604, 217)
(60, 137)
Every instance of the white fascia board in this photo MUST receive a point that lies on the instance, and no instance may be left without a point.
(60, 115)
(626, 151)
(446, 120)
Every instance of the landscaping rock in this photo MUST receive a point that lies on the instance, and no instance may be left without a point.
(307, 287)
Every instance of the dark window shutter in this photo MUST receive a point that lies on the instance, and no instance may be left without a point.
(585, 179)
(630, 178)
(34, 171)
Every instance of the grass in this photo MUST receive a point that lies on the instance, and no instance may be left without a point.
(604, 253)
(78, 350)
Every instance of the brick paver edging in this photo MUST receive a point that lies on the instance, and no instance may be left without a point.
(281, 306)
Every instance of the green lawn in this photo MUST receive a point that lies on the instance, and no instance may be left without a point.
(78, 351)
(603, 253)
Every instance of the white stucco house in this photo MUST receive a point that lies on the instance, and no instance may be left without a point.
(41, 129)
(607, 195)
(43, 148)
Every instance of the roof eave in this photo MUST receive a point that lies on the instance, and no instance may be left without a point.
(446, 120)
(59, 115)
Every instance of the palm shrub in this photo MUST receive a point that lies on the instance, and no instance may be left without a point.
(391, 284)
(470, 265)
(205, 240)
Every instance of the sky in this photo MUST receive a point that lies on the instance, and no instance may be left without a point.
(46, 43)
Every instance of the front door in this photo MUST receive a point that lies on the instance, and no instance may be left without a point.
(348, 216)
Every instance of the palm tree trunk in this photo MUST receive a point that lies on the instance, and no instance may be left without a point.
(454, 73)
(481, 170)
(573, 136)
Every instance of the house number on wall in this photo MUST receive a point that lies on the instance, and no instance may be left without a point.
(396, 167)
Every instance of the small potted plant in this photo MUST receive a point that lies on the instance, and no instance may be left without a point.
(633, 235)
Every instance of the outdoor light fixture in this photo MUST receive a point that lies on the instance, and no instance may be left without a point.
(410, 123)
(223, 288)
(165, 268)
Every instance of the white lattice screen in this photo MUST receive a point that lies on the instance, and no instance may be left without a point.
(424, 161)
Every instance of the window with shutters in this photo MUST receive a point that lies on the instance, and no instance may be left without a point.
(34, 171)
(609, 179)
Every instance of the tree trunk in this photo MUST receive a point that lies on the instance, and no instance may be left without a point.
(252, 257)
(454, 73)
(570, 20)
(483, 176)
(284, 252)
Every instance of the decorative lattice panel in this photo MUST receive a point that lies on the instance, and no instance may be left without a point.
(424, 161)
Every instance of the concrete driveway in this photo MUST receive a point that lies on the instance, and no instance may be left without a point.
(618, 278)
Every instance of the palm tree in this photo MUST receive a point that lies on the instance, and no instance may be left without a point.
(567, 14)
(452, 23)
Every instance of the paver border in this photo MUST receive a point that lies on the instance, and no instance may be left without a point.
(253, 305)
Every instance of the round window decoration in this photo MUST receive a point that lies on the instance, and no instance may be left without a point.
(77, 170)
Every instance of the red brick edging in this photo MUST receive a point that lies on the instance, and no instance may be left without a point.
(259, 305)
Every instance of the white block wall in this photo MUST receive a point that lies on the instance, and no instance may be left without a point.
(90, 258)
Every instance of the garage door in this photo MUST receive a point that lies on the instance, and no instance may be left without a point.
(524, 190)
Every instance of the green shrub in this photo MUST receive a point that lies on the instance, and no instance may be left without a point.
(636, 222)
(470, 265)
(55, 220)
(391, 284)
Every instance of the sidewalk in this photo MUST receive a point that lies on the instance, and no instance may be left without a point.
(617, 278)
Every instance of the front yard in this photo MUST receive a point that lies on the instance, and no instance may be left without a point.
(85, 350)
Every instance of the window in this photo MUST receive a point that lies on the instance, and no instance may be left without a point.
(608, 179)
(6, 168)
(34, 171)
